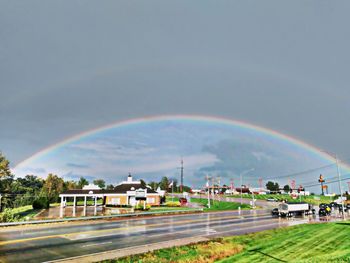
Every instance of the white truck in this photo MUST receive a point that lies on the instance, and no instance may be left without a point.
(293, 209)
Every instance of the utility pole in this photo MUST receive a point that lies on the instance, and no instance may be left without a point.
(208, 178)
(335, 156)
(241, 175)
(182, 175)
(218, 178)
(340, 188)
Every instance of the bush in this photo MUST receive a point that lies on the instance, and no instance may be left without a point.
(173, 204)
(8, 216)
(41, 203)
(140, 207)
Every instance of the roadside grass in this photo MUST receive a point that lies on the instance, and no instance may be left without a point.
(215, 205)
(308, 199)
(88, 202)
(201, 252)
(327, 242)
(164, 208)
(323, 242)
(23, 213)
(219, 205)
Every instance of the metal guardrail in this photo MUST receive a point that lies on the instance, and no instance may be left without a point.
(98, 217)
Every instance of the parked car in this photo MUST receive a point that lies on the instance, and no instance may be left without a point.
(341, 208)
(271, 199)
(323, 212)
(323, 206)
(333, 204)
(274, 212)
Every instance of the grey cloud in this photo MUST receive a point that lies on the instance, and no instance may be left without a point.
(67, 67)
(75, 165)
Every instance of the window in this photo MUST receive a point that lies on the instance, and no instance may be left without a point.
(115, 201)
(151, 200)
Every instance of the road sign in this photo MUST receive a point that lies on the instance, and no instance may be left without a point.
(140, 194)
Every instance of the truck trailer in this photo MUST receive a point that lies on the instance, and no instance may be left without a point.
(293, 209)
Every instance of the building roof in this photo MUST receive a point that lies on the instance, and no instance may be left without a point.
(123, 188)
(119, 189)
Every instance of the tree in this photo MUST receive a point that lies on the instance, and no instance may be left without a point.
(110, 187)
(4, 168)
(273, 187)
(52, 187)
(164, 183)
(82, 182)
(153, 185)
(70, 185)
(286, 188)
(143, 183)
(174, 182)
(6, 179)
(100, 182)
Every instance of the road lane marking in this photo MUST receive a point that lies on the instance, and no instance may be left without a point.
(110, 252)
(206, 224)
(97, 244)
(9, 242)
(86, 234)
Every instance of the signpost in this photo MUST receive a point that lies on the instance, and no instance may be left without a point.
(140, 194)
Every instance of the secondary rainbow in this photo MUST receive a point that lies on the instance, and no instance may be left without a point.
(213, 119)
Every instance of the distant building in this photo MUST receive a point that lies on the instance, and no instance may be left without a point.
(128, 192)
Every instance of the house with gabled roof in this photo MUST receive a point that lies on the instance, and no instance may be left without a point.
(127, 193)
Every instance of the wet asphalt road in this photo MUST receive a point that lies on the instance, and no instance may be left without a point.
(51, 242)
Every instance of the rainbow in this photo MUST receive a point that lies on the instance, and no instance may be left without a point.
(244, 125)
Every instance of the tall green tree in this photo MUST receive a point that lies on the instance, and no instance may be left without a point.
(286, 188)
(6, 180)
(4, 167)
(82, 182)
(52, 187)
(70, 185)
(272, 186)
(164, 183)
(153, 185)
(110, 187)
(100, 182)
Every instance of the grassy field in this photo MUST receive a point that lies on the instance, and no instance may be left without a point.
(326, 242)
(24, 212)
(219, 205)
(309, 199)
(88, 202)
(215, 205)
(164, 208)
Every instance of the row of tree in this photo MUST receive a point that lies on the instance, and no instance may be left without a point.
(17, 192)
(168, 184)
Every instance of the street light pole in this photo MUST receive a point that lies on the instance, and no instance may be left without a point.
(335, 156)
(208, 178)
(241, 175)
(340, 188)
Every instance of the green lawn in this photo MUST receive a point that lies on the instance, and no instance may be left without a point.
(215, 205)
(309, 199)
(219, 205)
(328, 242)
(88, 202)
(164, 208)
(23, 213)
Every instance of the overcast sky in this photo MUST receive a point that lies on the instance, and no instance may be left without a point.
(70, 66)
